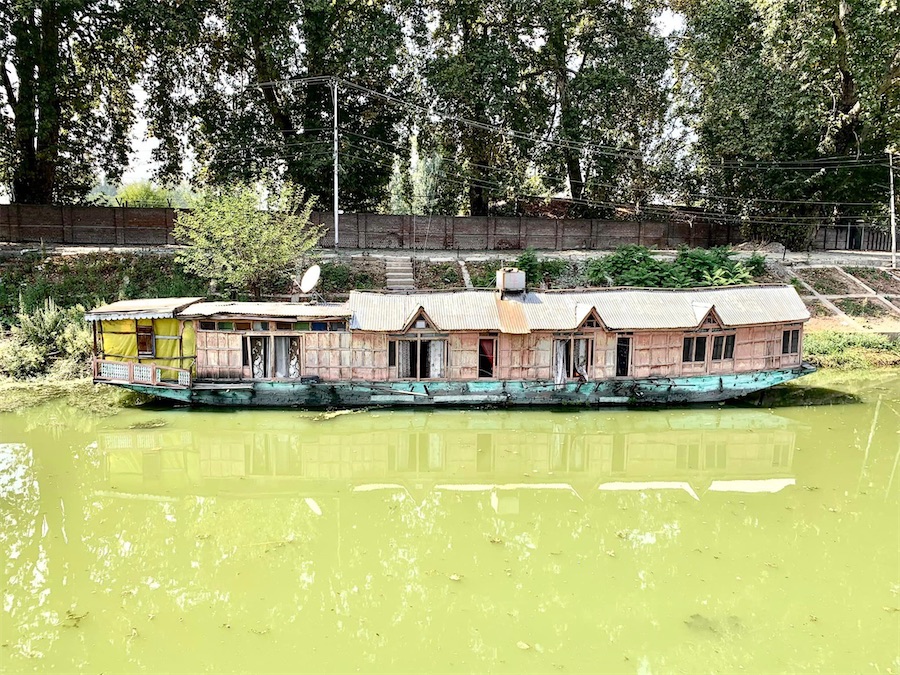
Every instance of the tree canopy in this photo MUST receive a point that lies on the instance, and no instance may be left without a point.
(769, 113)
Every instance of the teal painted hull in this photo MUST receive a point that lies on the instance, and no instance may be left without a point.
(650, 391)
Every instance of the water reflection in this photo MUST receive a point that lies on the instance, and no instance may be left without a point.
(410, 542)
(699, 450)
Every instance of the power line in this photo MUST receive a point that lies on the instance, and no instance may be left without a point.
(816, 164)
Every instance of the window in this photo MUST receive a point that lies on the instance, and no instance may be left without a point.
(623, 356)
(320, 325)
(287, 357)
(301, 325)
(242, 325)
(574, 359)
(145, 341)
(225, 325)
(723, 347)
(419, 359)
(694, 349)
(591, 322)
(260, 325)
(790, 341)
(392, 353)
(283, 325)
(207, 325)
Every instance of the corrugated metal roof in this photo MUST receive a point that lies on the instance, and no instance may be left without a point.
(149, 308)
(290, 310)
(475, 310)
(618, 308)
(512, 317)
(455, 310)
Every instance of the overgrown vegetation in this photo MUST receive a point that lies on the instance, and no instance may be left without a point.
(484, 272)
(438, 274)
(26, 283)
(540, 271)
(340, 277)
(48, 339)
(846, 351)
(880, 280)
(867, 308)
(829, 281)
(634, 265)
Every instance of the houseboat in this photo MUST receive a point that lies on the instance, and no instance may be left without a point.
(502, 347)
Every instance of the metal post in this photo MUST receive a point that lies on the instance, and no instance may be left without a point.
(334, 93)
(893, 212)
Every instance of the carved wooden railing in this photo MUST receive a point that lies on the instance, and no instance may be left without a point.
(126, 372)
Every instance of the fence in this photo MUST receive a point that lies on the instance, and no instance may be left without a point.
(125, 226)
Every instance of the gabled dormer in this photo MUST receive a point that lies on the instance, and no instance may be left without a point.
(419, 321)
(709, 318)
(590, 319)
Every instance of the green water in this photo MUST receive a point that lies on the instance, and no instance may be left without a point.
(681, 541)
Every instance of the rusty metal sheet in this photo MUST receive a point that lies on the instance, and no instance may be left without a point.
(150, 308)
(512, 317)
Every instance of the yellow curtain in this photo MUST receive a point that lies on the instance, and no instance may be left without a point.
(119, 340)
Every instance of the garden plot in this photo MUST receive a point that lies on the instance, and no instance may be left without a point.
(879, 280)
(829, 281)
(438, 274)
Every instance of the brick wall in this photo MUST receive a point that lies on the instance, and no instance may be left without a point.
(153, 227)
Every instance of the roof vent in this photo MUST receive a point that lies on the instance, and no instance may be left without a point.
(510, 280)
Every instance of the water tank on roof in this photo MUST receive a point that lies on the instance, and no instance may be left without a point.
(510, 280)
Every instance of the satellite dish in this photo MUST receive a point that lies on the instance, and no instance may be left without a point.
(310, 279)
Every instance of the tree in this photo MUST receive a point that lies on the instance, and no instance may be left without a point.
(66, 106)
(476, 71)
(221, 84)
(238, 238)
(762, 83)
(602, 73)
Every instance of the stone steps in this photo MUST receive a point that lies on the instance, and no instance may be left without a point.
(399, 272)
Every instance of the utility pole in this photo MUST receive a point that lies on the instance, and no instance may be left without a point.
(334, 94)
(893, 211)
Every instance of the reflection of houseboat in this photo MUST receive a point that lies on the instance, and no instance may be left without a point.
(703, 449)
(613, 346)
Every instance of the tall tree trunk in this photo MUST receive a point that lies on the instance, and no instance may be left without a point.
(845, 136)
(25, 182)
(568, 121)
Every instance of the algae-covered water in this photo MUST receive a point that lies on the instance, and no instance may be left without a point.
(677, 541)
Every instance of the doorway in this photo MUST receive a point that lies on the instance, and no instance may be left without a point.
(623, 356)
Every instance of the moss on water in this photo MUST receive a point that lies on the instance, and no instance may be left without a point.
(81, 394)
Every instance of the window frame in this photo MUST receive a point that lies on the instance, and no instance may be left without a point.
(145, 332)
(727, 341)
(394, 349)
(790, 341)
(571, 373)
(693, 338)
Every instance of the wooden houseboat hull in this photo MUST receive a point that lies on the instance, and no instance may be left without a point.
(493, 393)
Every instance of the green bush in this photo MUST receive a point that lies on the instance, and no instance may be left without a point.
(44, 336)
(634, 265)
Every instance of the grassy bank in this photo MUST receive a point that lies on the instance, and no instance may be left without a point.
(850, 351)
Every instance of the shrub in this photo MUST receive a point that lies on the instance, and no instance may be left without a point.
(234, 238)
(44, 336)
(634, 265)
